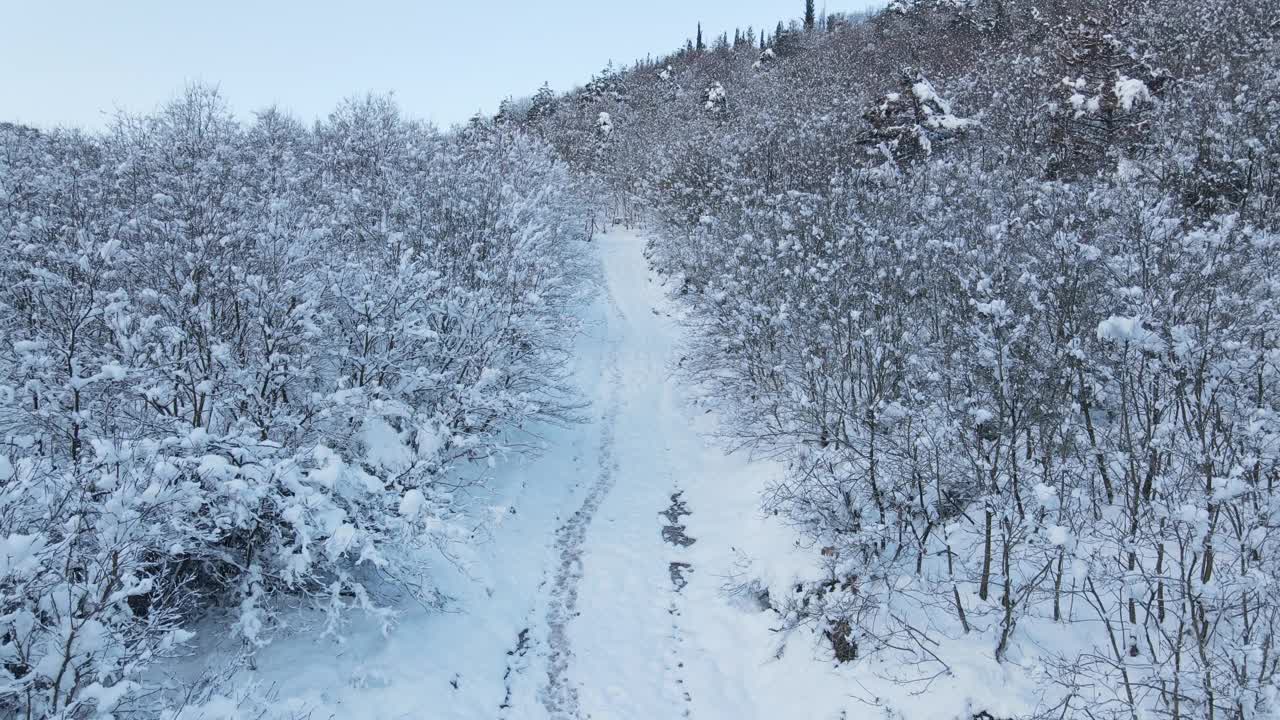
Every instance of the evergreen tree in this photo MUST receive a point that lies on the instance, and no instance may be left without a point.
(506, 111)
(785, 39)
(543, 105)
(808, 15)
(699, 45)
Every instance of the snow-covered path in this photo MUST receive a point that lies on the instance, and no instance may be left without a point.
(638, 623)
(657, 635)
(617, 644)
(599, 594)
(623, 650)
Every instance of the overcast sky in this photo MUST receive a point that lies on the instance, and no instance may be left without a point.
(76, 62)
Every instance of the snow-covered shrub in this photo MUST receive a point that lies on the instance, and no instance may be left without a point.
(714, 98)
(243, 367)
(604, 124)
(906, 124)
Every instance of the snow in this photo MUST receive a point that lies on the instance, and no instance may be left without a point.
(112, 371)
(950, 123)
(1130, 91)
(925, 94)
(1057, 535)
(1126, 329)
(411, 504)
(18, 553)
(383, 447)
(341, 540)
(570, 609)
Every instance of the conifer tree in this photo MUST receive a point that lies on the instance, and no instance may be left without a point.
(699, 45)
(543, 105)
(808, 15)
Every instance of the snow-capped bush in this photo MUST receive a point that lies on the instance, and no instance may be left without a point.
(248, 364)
(906, 124)
(714, 98)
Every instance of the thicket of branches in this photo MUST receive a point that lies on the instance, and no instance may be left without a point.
(998, 277)
(245, 366)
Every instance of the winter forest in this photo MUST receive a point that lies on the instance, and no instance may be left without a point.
(945, 338)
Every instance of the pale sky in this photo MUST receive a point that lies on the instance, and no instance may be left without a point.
(75, 62)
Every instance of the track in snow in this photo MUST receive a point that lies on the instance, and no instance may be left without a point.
(673, 533)
(559, 696)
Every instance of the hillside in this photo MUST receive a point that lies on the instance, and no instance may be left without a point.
(921, 364)
(995, 279)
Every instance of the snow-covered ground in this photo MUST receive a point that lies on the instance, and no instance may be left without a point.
(599, 594)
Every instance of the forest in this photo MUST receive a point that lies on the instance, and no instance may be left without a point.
(994, 280)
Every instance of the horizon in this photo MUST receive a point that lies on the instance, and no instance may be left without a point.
(105, 61)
